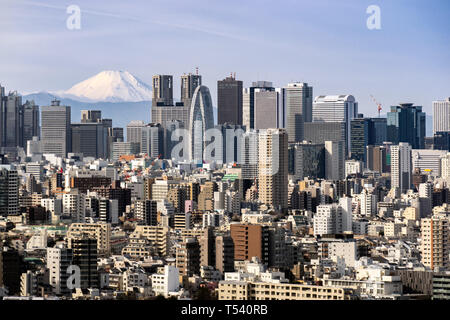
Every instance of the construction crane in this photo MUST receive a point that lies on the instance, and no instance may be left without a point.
(378, 104)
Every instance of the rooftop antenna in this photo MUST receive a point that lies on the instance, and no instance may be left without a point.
(196, 70)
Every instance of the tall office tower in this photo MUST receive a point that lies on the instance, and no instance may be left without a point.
(189, 82)
(307, 160)
(91, 116)
(59, 259)
(201, 119)
(9, 190)
(188, 257)
(338, 108)
(249, 155)
(435, 242)
(359, 138)
(299, 97)
(90, 137)
(250, 241)
(114, 135)
(334, 160)
(377, 131)
(265, 108)
(56, 135)
(152, 140)
(162, 86)
(30, 121)
(441, 116)
(229, 101)
(401, 166)
(406, 123)
(248, 102)
(13, 121)
(273, 168)
(224, 248)
(232, 147)
(85, 255)
(376, 158)
(134, 132)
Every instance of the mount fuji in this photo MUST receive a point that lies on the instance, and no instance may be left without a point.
(109, 86)
(119, 95)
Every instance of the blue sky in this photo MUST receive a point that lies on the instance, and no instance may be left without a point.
(325, 43)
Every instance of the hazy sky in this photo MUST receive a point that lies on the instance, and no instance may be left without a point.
(325, 43)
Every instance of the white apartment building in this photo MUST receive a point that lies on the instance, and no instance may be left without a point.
(166, 281)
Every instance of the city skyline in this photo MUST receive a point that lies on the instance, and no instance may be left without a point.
(314, 43)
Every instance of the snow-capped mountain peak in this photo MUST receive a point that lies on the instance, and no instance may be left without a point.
(109, 86)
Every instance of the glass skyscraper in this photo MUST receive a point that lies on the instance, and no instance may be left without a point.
(406, 123)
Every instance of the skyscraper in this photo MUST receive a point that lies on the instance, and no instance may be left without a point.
(30, 121)
(401, 166)
(273, 168)
(162, 86)
(307, 160)
(90, 137)
(55, 129)
(406, 123)
(189, 82)
(248, 102)
(441, 116)
(229, 101)
(201, 119)
(334, 160)
(152, 140)
(337, 108)
(359, 138)
(13, 121)
(298, 109)
(134, 131)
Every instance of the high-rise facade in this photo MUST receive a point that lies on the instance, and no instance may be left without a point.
(307, 160)
(248, 102)
(201, 119)
(441, 116)
(336, 108)
(31, 121)
(334, 160)
(299, 98)
(152, 140)
(229, 101)
(435, 242)
(162, 86)
(406, 123)
(90, 137)
(189, 82)
(359, 138)
(273, 168)
(9, 190)
(401, 166)
(56, 135)
(134, 131)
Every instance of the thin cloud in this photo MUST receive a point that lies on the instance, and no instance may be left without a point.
(206, 30)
